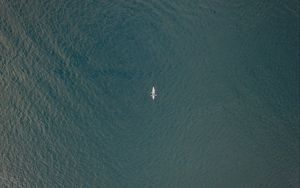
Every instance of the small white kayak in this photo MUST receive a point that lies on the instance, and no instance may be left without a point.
(153, 93)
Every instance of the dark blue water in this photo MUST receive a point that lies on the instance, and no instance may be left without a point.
(75, 82)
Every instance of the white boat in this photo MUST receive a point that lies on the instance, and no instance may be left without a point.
(153, 94)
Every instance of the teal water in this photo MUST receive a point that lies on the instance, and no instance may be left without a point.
(75, 79)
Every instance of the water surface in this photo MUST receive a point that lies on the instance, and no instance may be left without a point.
(75, 78)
